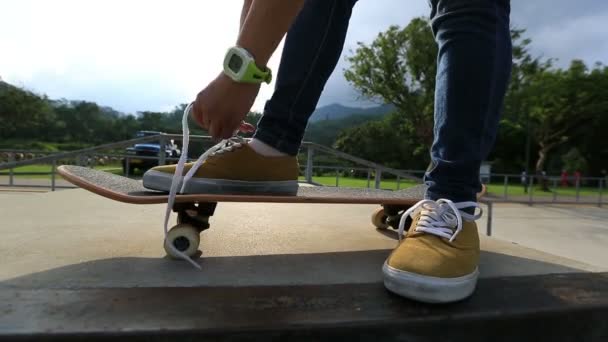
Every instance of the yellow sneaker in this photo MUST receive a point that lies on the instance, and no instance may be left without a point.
(437, 260)
(229, 168)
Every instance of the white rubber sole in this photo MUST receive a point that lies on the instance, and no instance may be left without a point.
(429, 289)
(157, 180)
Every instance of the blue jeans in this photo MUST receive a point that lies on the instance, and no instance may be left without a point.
(473, 69)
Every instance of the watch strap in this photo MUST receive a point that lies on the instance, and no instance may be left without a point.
(253, 74)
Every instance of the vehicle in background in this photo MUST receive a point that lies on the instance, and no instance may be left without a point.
(147, 149)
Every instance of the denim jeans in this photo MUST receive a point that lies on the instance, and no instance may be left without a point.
(473, 69)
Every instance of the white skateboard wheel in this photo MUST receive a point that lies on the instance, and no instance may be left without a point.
(379, 219)
(184, 238)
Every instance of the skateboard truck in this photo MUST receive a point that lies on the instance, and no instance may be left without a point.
(195, 214)
(389, 216)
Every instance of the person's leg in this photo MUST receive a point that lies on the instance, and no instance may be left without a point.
(312, 49)
(437, 261)
(473, 69)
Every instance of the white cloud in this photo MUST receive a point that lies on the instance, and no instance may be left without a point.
(151, 55)
(141, 54)
(583, 38)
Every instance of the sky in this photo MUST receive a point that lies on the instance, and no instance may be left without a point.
(136, 55)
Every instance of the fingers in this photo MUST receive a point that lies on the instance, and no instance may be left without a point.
(221, 130)
(198, 114)
(246, 127)
(228, 130)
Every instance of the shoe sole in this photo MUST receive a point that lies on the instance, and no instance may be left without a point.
(157, 180)
(429, 289)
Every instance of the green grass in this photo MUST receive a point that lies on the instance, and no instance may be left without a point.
(351, 182)
(518, 190)
(493, 189)
(116, 169)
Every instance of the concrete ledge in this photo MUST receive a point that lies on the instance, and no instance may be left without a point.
(570, 307)
(79, 267)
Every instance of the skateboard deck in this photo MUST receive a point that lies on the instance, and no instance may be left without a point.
(128, 190)
(194, 210)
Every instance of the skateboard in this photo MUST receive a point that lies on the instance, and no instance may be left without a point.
(194, 210)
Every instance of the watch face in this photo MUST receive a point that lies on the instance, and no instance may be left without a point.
(235, 63)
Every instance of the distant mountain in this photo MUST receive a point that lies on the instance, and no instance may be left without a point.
(337, 111)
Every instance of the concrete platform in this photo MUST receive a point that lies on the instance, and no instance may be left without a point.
(68, 250)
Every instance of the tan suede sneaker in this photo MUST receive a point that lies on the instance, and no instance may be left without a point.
(437, 260)
(232, 169)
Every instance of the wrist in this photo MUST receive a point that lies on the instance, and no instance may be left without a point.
(240, 65)
(260, 56)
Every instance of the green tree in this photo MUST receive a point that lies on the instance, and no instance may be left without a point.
(374, 141)
(562, 103)
(510, 150)
(399, 68)
(23, 114)
(574, 161)
(545, 105)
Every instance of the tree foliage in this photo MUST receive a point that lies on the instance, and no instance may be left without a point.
(553, 107)
(399, 68)
(27, 117)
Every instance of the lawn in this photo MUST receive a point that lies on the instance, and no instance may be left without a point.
(30, 171)
(493, 189)
(351, 182)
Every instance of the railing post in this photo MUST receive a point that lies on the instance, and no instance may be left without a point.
(578, 189)
(309, 164)
(506, 185)
(599, 201)
(489, 220)
(127, 167)
(337, 177)
(11, 158)
(554, 189)
(369, 176)
(378, 178)
(398, 181)
(531, 190)
(162, 153)
(53, 170)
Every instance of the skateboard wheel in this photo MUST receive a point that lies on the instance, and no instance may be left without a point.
(185, 238)
(379, 219)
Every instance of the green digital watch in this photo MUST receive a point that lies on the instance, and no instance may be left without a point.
(240, 66)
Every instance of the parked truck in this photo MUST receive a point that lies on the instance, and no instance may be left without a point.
(145, 155)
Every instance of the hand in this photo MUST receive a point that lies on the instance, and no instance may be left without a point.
(221, 107)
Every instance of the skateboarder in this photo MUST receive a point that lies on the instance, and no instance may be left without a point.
(436, 261)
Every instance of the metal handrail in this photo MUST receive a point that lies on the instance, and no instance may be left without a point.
(360, 161)
(89, 150)
(309, 148)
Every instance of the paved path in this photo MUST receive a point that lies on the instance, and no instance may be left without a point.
(578, 232)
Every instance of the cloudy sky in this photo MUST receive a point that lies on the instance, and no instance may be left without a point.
(138, 55)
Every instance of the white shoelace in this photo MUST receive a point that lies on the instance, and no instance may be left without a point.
(223, 146)
(442, 218)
